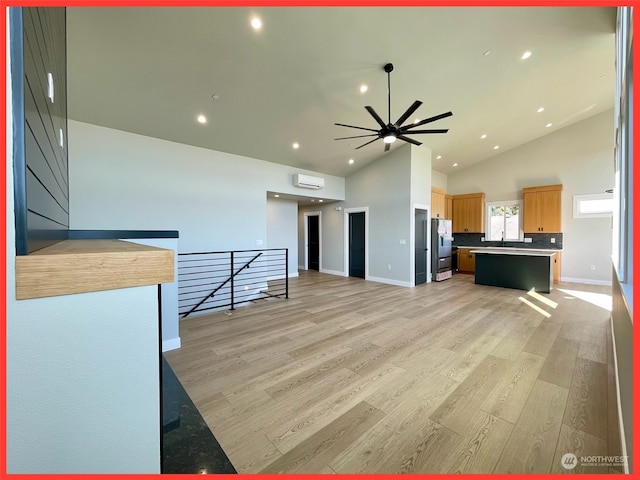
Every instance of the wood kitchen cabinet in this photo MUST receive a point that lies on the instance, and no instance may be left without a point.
(466, 261)
(437, 203)
(468, 213)
(556, 267)
(448, 207)
(543, 209)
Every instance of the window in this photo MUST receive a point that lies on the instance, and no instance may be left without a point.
(593, 205)
(504, 221)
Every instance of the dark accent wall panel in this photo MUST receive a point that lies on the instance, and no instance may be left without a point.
(42, 175)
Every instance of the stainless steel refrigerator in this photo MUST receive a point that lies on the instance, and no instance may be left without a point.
(441, 238)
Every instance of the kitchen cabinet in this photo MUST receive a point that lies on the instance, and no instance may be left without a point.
(542, 209)
(448, 207)
(466, 260)
(468, 213)
(437, 203)
(556, 267)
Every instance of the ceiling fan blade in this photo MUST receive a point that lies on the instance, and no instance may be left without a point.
(440, 130)
(387, 146)
(427, 120)
(365, 144)
(353, 126)
(410, 140)
(376, 116)
(408, 113)
(357, 136)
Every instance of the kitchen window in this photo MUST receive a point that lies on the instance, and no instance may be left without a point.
(504, 221)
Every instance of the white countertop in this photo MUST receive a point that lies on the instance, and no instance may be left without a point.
(516, 251)
(544, 250)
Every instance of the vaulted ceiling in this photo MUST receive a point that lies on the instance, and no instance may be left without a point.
(152, 71)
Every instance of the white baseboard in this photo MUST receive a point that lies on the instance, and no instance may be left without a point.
(588, 281)
(170, 344)
(332, 272)
(388, 281)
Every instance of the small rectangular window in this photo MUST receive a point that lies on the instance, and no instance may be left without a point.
(593, 205)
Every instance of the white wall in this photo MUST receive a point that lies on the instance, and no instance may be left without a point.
(282, 229)
(439, 179)
(217, 201)
(82, 373)
(580, 157)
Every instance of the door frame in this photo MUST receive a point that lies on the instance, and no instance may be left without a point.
(412, 242)
(347, 211)
(318, 214)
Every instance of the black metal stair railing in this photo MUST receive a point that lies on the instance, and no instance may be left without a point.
(217, 280)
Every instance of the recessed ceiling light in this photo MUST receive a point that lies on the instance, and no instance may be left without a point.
(215, 96)
(363, 88)
(496, 147)
(256, 23)
(202, 119)
(454, 165)
(438, 157)
(486, 53)
(602, 76)
(296, 145)
(548, 125)
(351, 161)
(483, 136)
(541, 109)
(277, 196)
(526, 55)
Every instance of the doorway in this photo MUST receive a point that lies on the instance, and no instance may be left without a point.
(313, 242)
(421, 245)
(357, 251)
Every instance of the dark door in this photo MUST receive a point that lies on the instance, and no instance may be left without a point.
(422, 219)
(313, 245)
(356, 244)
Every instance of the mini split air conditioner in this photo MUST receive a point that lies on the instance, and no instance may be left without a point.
(307, 181)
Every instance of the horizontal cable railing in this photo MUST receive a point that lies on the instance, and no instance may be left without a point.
(220, 280)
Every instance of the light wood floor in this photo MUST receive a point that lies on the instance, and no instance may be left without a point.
(351, 376)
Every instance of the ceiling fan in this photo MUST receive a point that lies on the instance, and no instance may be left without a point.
(391, 131)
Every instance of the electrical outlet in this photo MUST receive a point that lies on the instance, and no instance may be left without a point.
(482, 239)
(258, 242)
(553, 240)
(402, 242)
(593, 267)
(528, 239)
(389, 267)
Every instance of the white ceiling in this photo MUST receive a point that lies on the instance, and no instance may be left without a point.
(153, 70)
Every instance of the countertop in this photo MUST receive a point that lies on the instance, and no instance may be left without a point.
(554, 250)
(515, 251)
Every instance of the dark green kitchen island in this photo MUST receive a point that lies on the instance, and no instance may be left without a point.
(518, 269)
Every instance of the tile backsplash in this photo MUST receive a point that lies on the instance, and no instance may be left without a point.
(538, 240)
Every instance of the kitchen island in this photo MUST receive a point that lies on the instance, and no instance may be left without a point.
(514, 268)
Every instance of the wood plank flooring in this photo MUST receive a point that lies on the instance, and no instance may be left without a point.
(351, 376)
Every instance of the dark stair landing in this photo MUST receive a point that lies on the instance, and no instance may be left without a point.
(188, 446)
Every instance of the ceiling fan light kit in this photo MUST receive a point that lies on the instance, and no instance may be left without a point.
(389, 132)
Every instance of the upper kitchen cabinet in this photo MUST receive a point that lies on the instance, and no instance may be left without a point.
(542, 209)
(438, 203)
(448, 207)
(468, 213)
